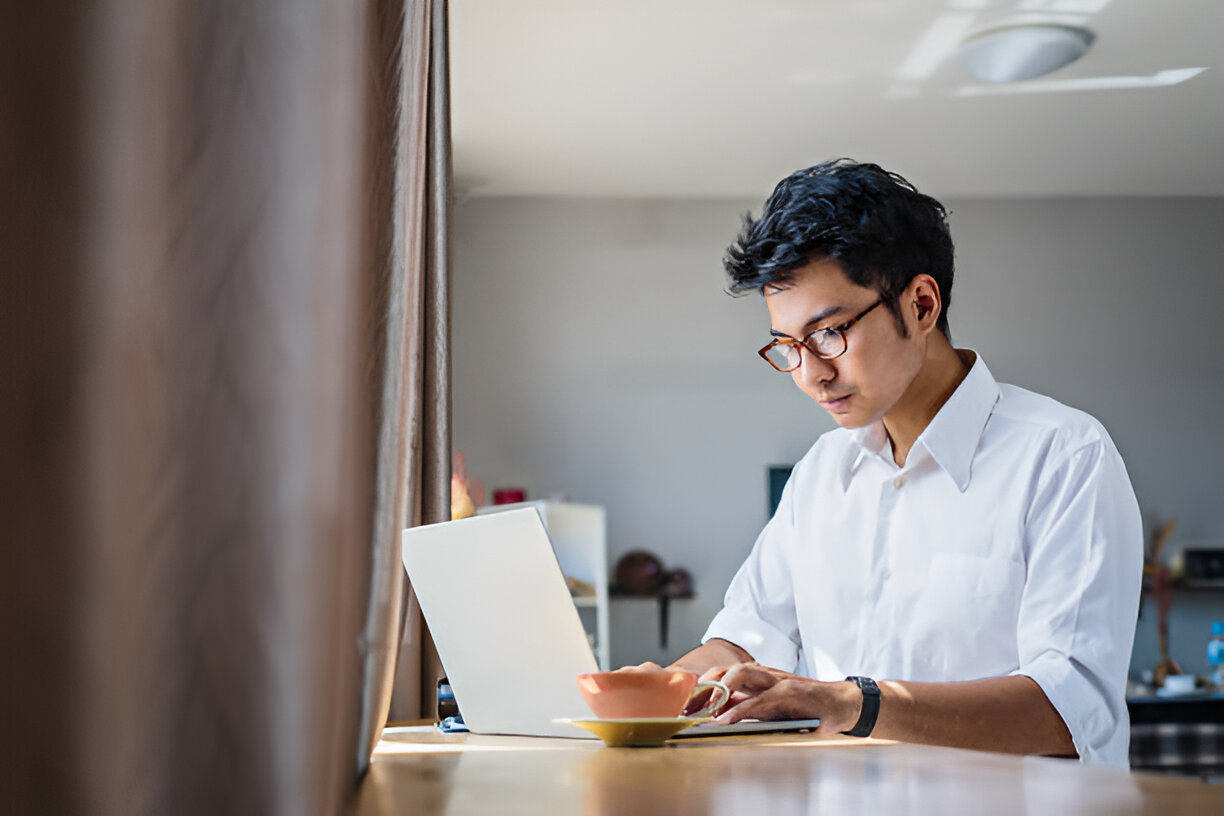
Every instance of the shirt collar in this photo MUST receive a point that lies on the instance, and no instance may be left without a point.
(951, 437)
(870, 440)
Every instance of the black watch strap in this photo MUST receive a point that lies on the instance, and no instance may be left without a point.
(871, 707)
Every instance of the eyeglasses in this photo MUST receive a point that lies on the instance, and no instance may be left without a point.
(784, 354)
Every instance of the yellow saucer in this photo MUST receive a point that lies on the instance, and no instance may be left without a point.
(644, 733)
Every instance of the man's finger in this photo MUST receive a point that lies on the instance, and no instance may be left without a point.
(788, 698)
(697, 701)
(751, 708)
(750, 677)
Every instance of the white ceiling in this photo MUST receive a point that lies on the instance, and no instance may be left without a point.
(721, 98)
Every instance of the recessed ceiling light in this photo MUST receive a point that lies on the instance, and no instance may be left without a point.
(1018, 52)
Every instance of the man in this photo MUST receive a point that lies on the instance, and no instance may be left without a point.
(958, 564)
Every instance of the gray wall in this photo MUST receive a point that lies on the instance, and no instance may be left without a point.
(597, 356)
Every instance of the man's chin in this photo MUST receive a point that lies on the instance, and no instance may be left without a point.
(846, 411)
(849, 421)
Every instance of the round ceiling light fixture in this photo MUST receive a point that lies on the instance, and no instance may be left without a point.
(1018, 52)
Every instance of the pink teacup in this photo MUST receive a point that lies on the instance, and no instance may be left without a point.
(638, 695)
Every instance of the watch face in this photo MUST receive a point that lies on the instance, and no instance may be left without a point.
(866, 684)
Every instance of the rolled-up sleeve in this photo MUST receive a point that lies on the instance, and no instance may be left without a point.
(758, 613)
(1076, 629)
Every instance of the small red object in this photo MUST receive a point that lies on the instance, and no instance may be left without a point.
(509, 495)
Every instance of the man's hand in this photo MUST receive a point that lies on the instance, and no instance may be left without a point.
(763, 693)
(1009, 714)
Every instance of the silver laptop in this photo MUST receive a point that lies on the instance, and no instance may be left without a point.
(503, 621)
(506, 628)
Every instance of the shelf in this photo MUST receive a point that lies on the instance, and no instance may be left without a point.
(1196, 709)
(663, 599)
(1181, 585)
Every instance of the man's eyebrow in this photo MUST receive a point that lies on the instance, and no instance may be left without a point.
(820, 316)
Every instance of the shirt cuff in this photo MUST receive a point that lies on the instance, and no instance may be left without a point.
(767, 645)
(1084, 706)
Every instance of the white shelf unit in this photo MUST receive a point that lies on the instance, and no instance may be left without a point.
(579, 537)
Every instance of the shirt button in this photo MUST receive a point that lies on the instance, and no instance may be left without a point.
(899, 482)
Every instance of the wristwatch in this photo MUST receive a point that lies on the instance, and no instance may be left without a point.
(871, 707)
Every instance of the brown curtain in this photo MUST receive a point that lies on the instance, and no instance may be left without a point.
(426, 187)
(412, 149)
(223, 363)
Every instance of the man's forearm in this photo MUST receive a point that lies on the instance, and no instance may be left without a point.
(715, 653)
(1010, 714)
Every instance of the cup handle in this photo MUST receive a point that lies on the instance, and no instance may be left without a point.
(719, 694)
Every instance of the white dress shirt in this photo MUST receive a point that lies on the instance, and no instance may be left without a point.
(1009, 543)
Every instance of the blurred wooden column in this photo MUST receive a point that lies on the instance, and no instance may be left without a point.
(185, 437)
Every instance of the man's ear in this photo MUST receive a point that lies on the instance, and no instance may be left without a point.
(927, 303)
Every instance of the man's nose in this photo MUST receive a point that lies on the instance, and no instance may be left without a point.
(815, 369)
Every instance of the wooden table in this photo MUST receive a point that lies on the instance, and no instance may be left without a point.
(424, 772)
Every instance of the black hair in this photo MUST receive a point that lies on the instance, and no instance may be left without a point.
(873, 223)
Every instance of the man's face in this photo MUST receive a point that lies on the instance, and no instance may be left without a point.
(867, 381)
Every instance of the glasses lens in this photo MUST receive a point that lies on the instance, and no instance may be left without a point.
(827, 342)
(783, 356)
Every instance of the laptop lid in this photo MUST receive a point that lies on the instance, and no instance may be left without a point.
(503, 622)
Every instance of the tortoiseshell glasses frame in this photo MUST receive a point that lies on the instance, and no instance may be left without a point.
(828, 343)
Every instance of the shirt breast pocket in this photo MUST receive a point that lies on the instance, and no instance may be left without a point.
(972, 592)
(966, 615)
(973, 576)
